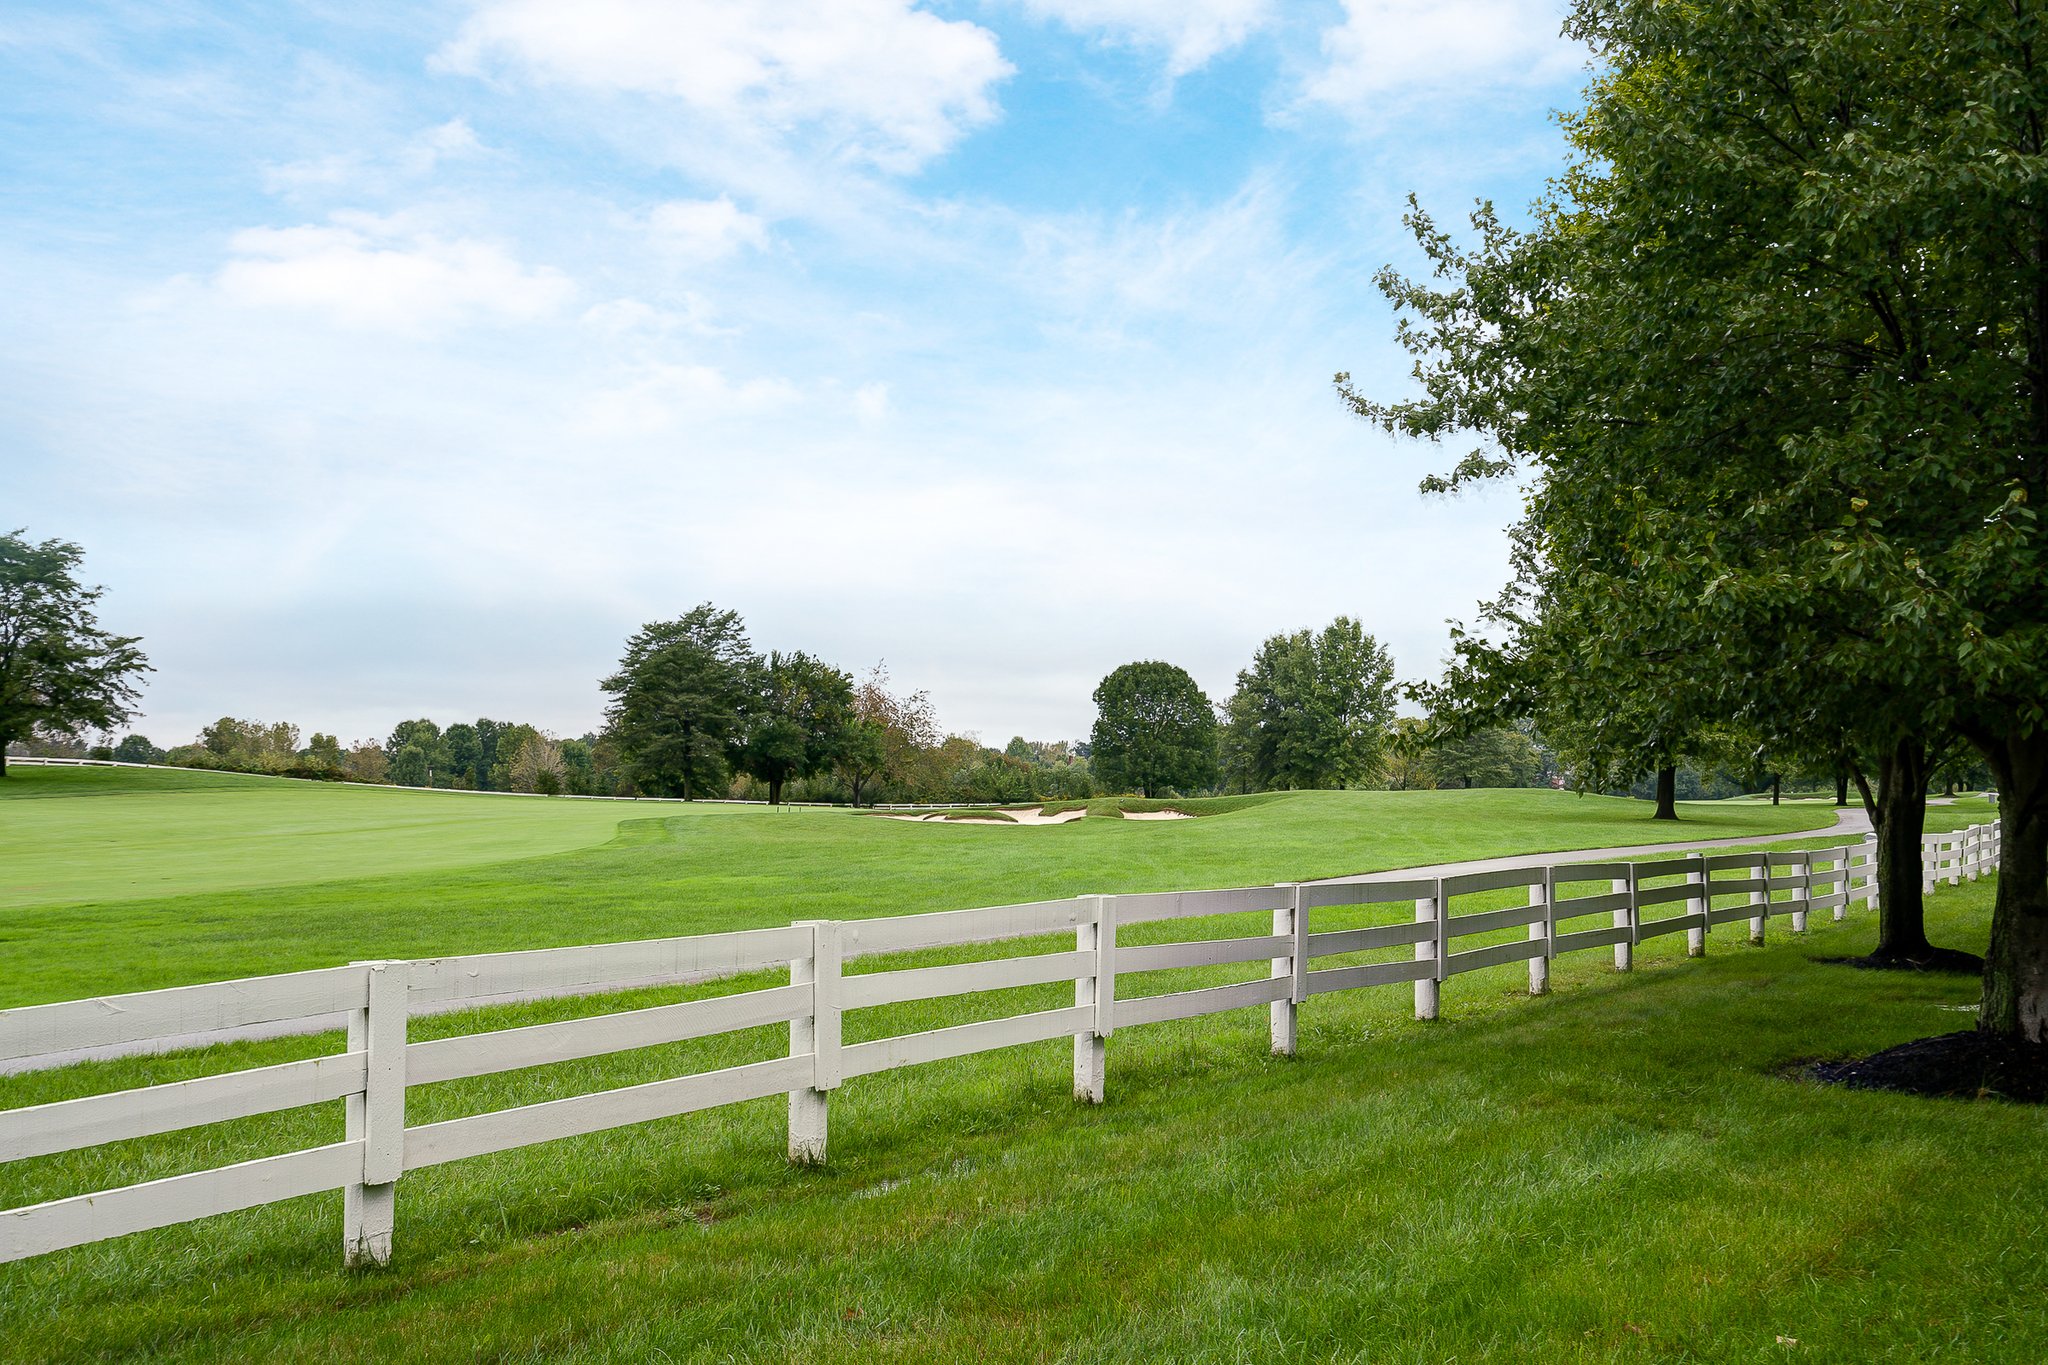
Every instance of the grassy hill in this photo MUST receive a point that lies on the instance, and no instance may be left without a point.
(1618, 1171)
(168, 878)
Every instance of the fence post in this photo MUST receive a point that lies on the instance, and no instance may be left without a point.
(1696, 939)
(1290, 921)
(1097, 989)
(816, 1034)
(1845, 878)
(1870, 869)
(1760, 901)
(1930, 861)
(1802, 894)
(1429, 910)
(376, 1118)
(1624, 918)
(1539, 967)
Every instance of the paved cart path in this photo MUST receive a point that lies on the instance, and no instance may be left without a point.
(1851, 823)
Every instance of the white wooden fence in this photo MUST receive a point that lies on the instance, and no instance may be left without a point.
(1569, 907)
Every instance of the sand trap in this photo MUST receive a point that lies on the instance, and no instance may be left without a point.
(1034, 816)
(1157, 815)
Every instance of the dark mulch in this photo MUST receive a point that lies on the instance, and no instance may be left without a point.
(1967, 1065)
(1947, 961)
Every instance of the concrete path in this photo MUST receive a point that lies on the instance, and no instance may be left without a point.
(1851, 824)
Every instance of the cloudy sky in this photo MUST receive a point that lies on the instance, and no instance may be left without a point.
(401, 360)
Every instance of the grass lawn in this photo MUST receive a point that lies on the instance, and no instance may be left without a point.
(165, 878)
(1618, 1171)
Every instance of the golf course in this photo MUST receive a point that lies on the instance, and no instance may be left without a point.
(1625, 1169)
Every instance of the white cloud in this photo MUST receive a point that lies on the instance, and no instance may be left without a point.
(883, 81)
(871, 403)
(377, 273)
(1385, 47)
(1191, 31)
(666, 397)
(705, 229)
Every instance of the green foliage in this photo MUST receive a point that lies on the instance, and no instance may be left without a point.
(137, 749)
(1313, 710)
(418, 754)
(60, 673)
(1499, 756)
(1154, 731)
(799, 720)
(680, 700)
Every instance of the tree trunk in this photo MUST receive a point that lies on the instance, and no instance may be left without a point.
(2016, 967)
(1777, 787)
(774, 791)
(1900, 819)
(1841, 789)
(1667, 794)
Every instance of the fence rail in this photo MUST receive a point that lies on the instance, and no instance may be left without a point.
(378, 1064)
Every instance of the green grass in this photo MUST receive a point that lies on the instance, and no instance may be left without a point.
(1618, 1171)
(299, 875)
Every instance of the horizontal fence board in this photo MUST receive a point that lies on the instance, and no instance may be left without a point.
(930, 983)
(951, 928)
(1486, 921)
(1732, 862)
(1567, 873)
(61, 1223)
(1795, 881)
(1157, 1009)
(1664, 895)
(504, 1129)
(1333, 941)
(1159, 905)
(1728, 914)
(1669, 867)
(1472, 959)
(1500, 879)
(1736, 886)
(550, 971)
(1316, 895)
(1590, 938)
(1605, 903)
(1652, 928)
(1370, 974)
(1211, 952)
(482, 1054)
(1828, 902)
(113, 1019)
(915, 1049)
(122, 1114)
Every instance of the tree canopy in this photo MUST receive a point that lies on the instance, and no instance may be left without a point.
(1313, 710)
(1774, 362)
(60, 673)
(1154, 731)
(680, 700)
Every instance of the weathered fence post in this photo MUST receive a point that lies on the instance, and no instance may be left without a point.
(1097, 989)
(1870, 869)
(1696, 939)
(1844, 878)
(1290, 922)
(1429, 910)
(1802, 894)
(816, 1034)
(376, 1118)
(1760, 901)
(1539, 967)
(1625, 918)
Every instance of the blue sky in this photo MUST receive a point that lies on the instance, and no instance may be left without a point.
(395, 361)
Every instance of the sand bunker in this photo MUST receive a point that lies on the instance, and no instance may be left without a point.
(1157, 815)
(1034, 816)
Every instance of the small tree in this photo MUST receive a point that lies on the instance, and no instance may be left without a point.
(60, 674)
(137, 749)
(537, 766)
(886, 736)
(1313, 709)
(680, 701)
(1154, 731)
(798, 720)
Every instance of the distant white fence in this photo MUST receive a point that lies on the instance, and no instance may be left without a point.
(1570, 907)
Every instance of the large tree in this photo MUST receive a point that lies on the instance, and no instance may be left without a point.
(1154, 731)
(680, 701)
(1313, 710)
(799, 721)
(1775, 361)
(888, 735)
(60, 674)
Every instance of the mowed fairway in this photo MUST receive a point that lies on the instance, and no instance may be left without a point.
(98, 834)
(120, 880)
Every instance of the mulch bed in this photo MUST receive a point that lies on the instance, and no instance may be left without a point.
(1966, 1065)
